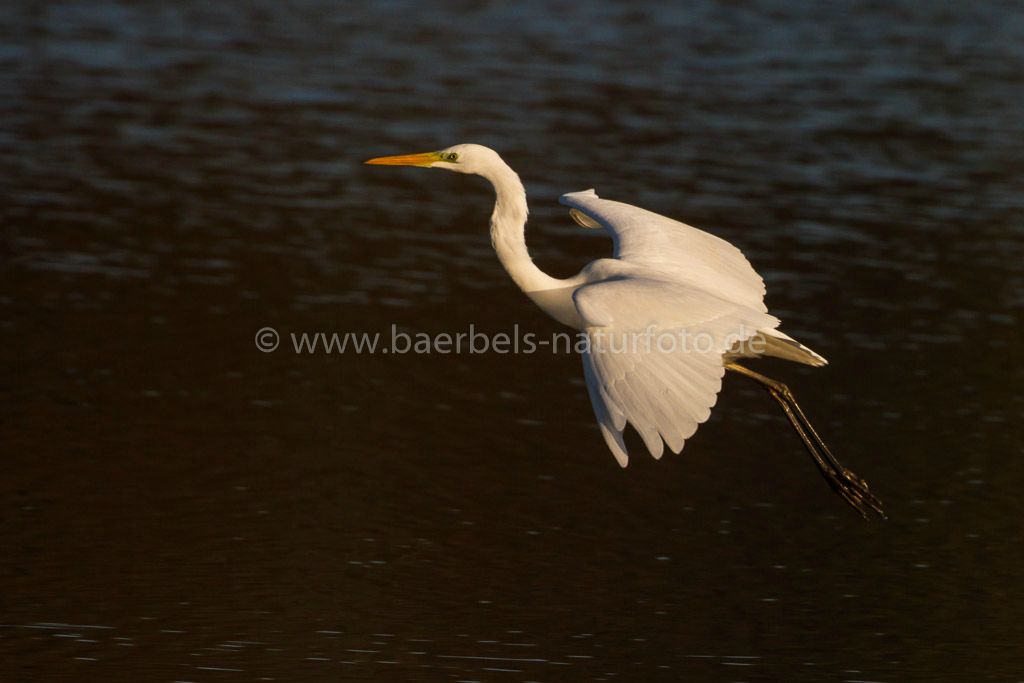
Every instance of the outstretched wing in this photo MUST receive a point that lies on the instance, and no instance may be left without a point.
(681, 252)
(657, 366)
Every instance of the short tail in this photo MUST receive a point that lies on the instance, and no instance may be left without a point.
(780, 345)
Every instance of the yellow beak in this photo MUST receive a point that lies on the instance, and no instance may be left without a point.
(424, 159)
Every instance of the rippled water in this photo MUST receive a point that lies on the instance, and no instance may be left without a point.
(177, 505)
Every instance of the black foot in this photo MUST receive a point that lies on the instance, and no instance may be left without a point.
(853, 490)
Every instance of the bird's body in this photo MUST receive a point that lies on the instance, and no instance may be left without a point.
(664, 317)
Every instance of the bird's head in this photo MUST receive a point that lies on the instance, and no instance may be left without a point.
(459, 158)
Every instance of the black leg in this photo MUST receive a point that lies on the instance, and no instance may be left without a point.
(848, 485)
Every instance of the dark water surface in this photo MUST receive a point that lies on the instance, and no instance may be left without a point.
(178, 506)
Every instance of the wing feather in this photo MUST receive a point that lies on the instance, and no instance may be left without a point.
(690, 255)
(609, 418)
(668, 278)
(664, 390)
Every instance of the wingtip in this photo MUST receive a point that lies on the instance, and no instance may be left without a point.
(590, 192)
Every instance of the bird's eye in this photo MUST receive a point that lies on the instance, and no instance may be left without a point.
(453, 156)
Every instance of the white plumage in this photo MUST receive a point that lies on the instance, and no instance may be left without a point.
(665, 316)
(668, 282)
(683, 253)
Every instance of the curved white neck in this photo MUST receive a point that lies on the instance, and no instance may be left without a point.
(508, 231)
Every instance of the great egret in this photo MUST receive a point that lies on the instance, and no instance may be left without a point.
(665, 278)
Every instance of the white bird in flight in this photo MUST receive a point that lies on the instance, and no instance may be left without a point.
(666, 281)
